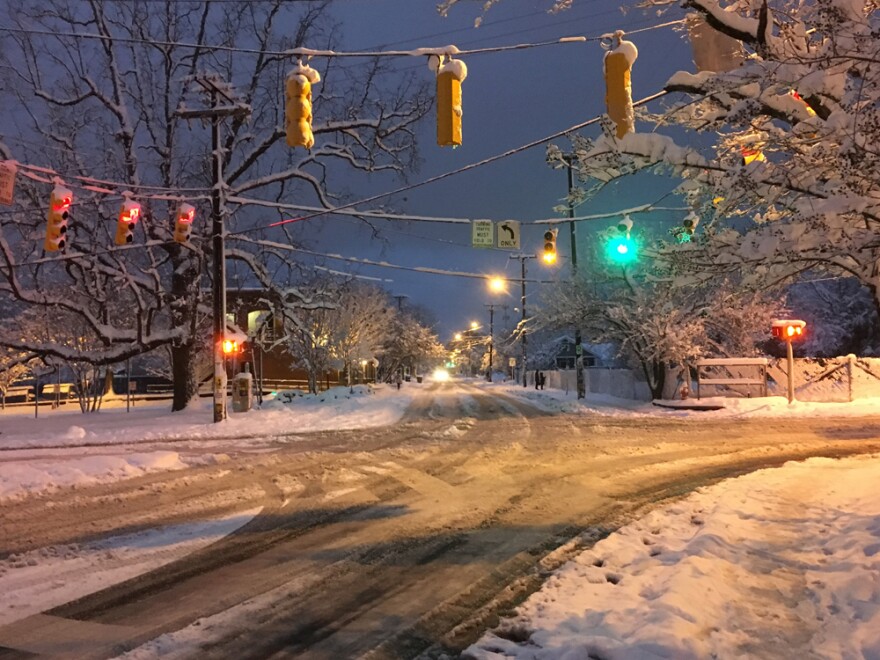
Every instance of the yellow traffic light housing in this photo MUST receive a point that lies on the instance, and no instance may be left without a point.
(450, 75)
(56, 220)
(183, 225)
(298, 106)
(128, 217)
(618, 86)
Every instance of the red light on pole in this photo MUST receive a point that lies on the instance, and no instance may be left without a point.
(789, 330)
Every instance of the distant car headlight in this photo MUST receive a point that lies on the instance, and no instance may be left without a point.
(440, 374)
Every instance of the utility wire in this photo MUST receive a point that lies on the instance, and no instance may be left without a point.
(310, 52)
(445, 175)
(295, 52)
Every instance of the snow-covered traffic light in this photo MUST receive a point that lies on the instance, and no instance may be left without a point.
(621, 249)
(450, 74)
(788, 329)
(689, 226)
(56, 220)
(298, 106)
(752, 154)
(618, 86)
(549, 254)
(128, 217)
(183, 224)
(230, 346)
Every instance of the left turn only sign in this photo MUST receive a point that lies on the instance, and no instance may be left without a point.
(482, 234)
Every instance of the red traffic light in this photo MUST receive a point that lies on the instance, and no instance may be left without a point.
(788, 330)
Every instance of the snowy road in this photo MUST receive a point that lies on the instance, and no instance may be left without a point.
(382, 543)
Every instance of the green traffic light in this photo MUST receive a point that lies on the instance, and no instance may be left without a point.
(622, 250)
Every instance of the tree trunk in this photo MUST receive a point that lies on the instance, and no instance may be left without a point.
(313, 381)
(183, 373)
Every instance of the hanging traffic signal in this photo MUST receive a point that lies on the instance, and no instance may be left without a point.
(450, 75)
(788, 329)
(230, 346)
(549, 254)
(183, 224)
(128, 217)
(56, 220)
(689, 225)
(618, 86)
(752, 154)
(298, 106)
(621, 249)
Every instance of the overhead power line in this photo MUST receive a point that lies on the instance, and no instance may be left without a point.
(446, 175)
(297, 52)
(642, 208)
(310, 52)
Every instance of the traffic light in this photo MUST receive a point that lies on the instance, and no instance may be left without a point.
(621, 249)
(689, 225)
(618, 86)
(183, 225)
(128, 217)
(230, 346)
(549, 254)
(788, 329)
(56, 220)
(298, 106)
(752, 154)
(450, 75)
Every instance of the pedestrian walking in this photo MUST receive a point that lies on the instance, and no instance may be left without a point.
(541, 379)
(398, 379)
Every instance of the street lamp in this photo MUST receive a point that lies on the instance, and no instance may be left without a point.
(475, 325)
(497, 285)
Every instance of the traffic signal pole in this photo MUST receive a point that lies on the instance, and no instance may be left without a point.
(222, 106)
(219, 267)
(578, 348)
(491, 339)
(522, 262)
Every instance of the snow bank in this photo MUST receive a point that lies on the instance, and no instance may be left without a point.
(778, 563)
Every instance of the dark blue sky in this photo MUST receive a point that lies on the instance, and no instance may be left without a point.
(508, 99)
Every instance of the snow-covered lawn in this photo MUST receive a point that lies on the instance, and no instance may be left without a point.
(780, 563)
(111, 444)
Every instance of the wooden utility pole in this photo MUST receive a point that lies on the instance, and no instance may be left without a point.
(491, 307)
(222, 106)
(522, 262)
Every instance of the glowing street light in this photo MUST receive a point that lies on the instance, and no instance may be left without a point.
(498, 285)
(474, 325)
